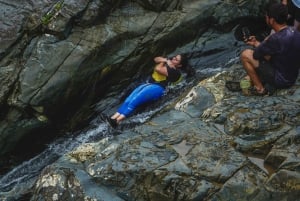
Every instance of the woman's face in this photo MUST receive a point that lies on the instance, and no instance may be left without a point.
(176, 60)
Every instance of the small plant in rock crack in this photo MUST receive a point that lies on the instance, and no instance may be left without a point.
(46, 19)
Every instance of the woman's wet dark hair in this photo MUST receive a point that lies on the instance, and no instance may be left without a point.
(186, 67)
(184, 60)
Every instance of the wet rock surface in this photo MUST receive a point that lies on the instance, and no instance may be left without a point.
(238, 148)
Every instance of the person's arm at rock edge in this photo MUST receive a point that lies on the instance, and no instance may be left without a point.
(252, 41)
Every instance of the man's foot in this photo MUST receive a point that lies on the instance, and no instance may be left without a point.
(254, 92)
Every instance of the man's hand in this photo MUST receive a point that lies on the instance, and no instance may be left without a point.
(252, 41)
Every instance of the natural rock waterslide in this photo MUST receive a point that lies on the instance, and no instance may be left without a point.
(59, 57)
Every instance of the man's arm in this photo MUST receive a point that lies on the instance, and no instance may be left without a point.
(252, 41)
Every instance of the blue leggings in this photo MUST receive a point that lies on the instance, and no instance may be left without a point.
(144, 93)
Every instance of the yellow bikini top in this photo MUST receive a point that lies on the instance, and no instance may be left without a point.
(158, 77)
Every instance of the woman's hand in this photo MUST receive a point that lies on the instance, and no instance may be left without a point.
(169, 62)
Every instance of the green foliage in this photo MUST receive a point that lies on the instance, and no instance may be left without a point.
(46, 19)
(58, 5)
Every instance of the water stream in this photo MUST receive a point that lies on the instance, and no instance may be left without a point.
(31, 168)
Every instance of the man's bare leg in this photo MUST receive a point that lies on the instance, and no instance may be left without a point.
(250, 64)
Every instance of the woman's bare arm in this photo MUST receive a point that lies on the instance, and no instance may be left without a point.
(161, 69)
(160, 60)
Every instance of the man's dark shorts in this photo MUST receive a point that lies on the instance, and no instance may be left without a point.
(266, 73)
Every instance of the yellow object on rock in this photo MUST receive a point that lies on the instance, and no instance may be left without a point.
(245, 85)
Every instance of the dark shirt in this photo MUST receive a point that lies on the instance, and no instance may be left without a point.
(284, 49)
(174, 75)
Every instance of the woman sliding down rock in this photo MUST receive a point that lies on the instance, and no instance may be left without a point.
(166, 71)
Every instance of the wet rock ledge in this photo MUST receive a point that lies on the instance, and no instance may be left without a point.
(211, 144)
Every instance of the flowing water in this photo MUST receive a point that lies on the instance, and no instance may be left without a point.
(15, 179)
